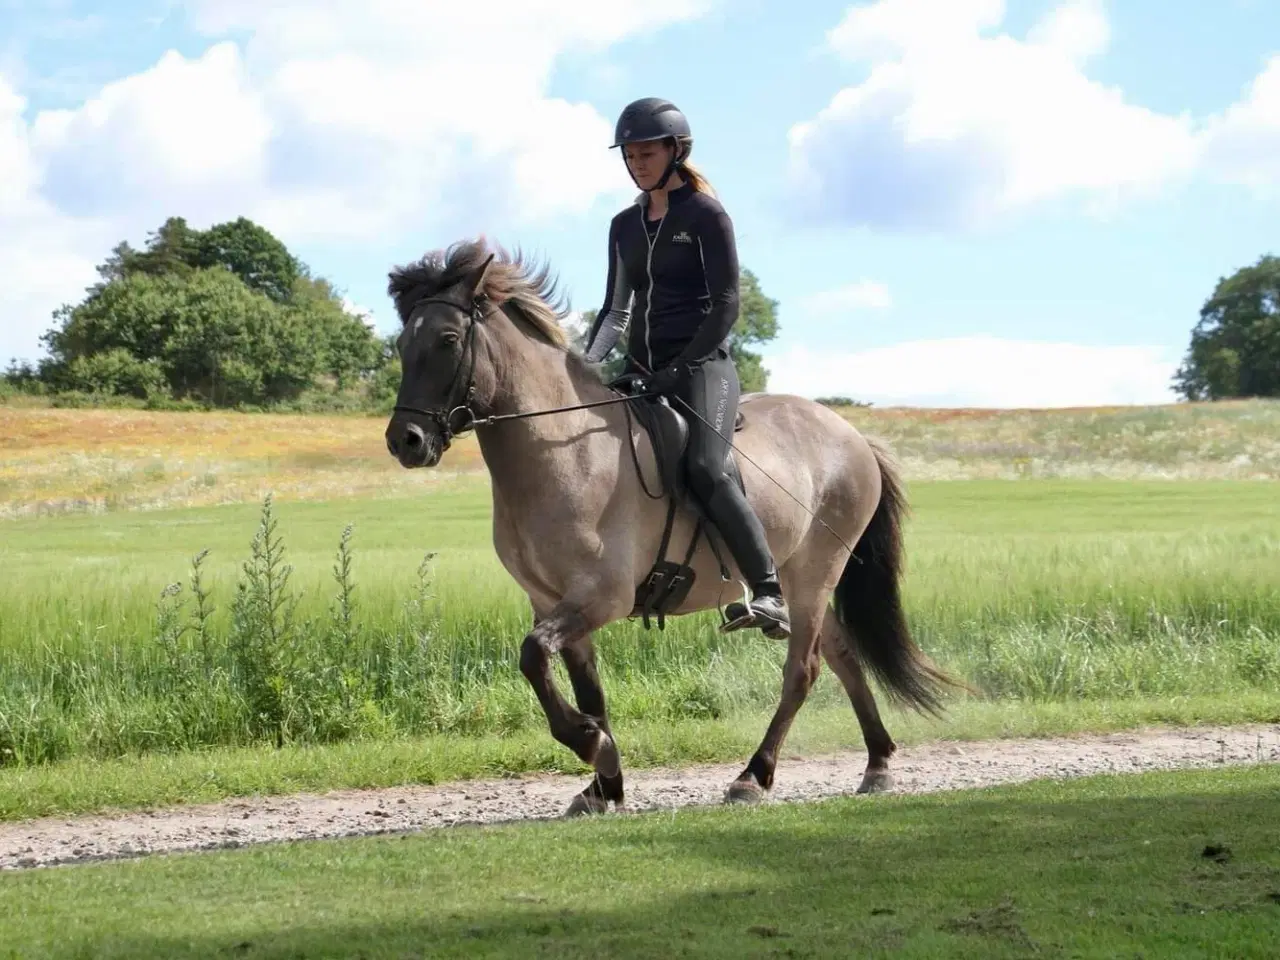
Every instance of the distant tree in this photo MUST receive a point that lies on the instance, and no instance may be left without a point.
(351, 351)
(226, 314)
(757, 323)
(253, 254)
(172, 250)
(1235, 347)
(205, 336)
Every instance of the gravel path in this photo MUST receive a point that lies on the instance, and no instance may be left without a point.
(924, 768)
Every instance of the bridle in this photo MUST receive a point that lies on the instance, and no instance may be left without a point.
(443, 416)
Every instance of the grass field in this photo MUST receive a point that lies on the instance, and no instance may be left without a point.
(58, 460)
(1068, 602)
(1045, 591)
(1168, 865)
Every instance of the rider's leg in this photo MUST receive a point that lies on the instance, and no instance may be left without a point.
(713, 391)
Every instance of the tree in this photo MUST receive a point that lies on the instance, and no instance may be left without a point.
(228, 315)
(205, 335)
(757, 323)
(352, 350)
(1235, 347)
(253, 254)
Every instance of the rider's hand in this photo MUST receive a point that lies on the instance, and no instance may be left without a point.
(628, 383)
(669, 379)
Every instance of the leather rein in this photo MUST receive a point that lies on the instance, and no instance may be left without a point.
(443, 415)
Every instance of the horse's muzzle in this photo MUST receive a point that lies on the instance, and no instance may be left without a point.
(411, 445)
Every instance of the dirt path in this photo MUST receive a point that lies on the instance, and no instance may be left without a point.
(924, 768)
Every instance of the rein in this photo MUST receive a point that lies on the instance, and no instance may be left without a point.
(443, 416)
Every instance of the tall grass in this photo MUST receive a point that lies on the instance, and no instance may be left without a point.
(322, 622)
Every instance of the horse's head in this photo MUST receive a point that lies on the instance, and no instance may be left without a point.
(442, 308)
(466, 313)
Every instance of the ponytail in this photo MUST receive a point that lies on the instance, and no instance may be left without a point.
(692, 175)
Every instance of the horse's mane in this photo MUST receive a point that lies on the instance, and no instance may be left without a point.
(529, 290)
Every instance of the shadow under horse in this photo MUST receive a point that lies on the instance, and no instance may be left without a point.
(577, 526)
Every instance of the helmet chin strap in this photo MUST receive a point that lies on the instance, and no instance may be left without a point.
(675, 164)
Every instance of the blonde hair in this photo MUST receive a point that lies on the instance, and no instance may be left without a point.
(692, 175)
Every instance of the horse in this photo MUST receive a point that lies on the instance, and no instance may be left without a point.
(484, 349)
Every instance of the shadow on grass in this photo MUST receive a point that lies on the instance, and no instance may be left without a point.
(1111, 867)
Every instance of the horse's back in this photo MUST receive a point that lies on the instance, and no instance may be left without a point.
(798, 457)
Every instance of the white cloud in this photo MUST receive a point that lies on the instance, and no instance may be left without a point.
(45, 255)
(979, 372)
(183, 133)
(862, 295)
(958, 126)
(327, 120)
(1243, 143)
(356, 310)
(1077, 30)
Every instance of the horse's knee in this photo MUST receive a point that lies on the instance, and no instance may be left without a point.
(533, 657)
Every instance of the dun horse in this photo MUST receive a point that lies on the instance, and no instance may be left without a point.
(576, 525)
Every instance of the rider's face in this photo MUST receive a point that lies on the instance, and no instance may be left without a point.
(647, 161)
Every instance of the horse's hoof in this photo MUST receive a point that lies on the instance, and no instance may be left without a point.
(876, 781)
(744, 791)
(585, 804)
(607, 761)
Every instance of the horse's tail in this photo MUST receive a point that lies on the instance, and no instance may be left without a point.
(868, 604)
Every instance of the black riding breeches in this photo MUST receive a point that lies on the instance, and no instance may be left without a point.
(712, 390)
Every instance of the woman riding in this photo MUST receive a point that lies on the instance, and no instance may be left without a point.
(673, 276)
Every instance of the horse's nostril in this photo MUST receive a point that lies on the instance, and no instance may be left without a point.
(414, 437)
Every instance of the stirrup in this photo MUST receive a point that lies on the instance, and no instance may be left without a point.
(744, 615)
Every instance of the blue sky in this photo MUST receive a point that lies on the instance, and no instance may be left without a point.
(997, 204)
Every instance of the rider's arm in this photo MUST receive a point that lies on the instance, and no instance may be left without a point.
(719, 252)
(616, 312)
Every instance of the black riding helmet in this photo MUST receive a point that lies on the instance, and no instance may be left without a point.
(653, 118)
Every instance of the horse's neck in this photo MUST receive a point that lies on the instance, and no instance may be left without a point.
(527, 453)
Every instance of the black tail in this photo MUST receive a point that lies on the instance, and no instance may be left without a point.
(868, 604)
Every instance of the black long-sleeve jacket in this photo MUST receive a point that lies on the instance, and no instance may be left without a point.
(674, 280)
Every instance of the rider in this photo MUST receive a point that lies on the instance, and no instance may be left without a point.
(673, 274)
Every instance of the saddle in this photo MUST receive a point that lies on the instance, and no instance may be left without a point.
(668, 582)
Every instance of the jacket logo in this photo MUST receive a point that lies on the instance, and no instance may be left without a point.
(682, 237)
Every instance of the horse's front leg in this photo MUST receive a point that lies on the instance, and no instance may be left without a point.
(562, 631)
(580, 663)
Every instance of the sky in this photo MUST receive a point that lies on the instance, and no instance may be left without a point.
(954, 202)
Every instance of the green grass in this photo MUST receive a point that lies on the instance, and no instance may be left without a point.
(1167, 865)
(1042, 592)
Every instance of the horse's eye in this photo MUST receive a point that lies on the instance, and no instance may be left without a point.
(448, 339)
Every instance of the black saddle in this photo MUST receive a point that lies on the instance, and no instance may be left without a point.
(669, 582)
(668, 431)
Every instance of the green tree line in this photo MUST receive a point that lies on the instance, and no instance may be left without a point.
(229, 317)
(223, 317)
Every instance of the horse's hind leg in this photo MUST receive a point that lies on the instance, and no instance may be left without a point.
(580, 663)
(587, 736)
(880, 746)
(799, 673)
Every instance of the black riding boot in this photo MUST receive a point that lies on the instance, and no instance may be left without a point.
(744, 535)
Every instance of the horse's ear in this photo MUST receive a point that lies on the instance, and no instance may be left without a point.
(474, 280)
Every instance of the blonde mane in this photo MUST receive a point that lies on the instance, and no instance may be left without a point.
(527, 290)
